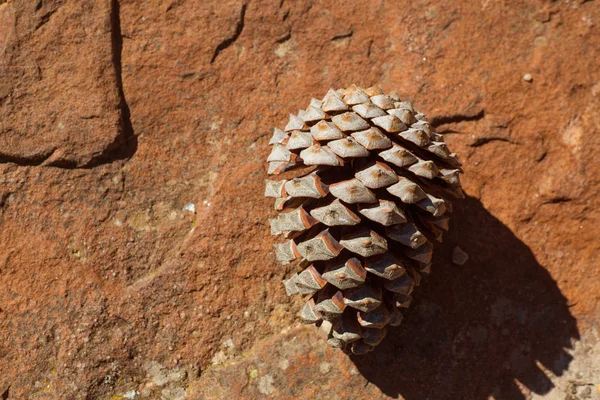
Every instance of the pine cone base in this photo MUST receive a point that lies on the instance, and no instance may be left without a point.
(362, 200)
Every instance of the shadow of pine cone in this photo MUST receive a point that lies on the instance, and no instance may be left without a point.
(476, 330)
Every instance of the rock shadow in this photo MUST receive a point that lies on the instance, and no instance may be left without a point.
(126, 144)
(479, 330)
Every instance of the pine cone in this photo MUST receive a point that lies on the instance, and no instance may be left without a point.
(365, 199)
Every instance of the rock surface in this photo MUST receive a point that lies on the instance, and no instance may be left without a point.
(118, 115)
(60, 94)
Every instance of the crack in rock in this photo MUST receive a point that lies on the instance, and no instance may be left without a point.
(343, 35)
(485, 140)
(557, 200)
(455, 118)
(236, 34)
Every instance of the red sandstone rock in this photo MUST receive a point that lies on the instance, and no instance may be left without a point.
(104, 274)
(59, 95)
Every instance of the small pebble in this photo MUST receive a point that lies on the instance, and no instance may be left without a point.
(527, 77)
(459, 257)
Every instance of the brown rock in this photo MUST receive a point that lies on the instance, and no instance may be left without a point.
(60, 95)
(103, 272)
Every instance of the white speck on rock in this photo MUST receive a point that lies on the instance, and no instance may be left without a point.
(324, 367)
(157, 373)
(283, 48)
(219, 358)
(191, 207)
(161, 376)
(229, 344)
(527, 78)
(173, 394)
(284, 364)
(265, 385)
(130, 395)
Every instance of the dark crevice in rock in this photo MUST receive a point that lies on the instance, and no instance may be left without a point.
(173, 5)
(446, 131)
(343, 35)
(44, 19)
(541, 157)
(3, 199)
(46, 159)
(229, 41)
(287, 36)
(60, 163)
(557, 200)
(26, 161)
(485, 140)
(452, 119)
(5, 394)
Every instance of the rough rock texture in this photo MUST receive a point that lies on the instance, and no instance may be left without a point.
(113, 284)
(60, 91)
